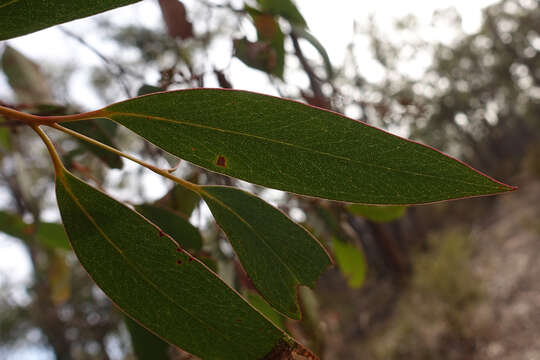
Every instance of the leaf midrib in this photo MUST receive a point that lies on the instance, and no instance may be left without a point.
(135, 268)
(111, 114)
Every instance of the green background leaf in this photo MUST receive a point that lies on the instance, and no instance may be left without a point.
(378, 213)
(351, 262)
(277, 254)
(151, 279)
(19, 17)
(290, 146)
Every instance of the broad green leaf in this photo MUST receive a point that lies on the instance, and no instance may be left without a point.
(304, 34)
(52, 235)
(103, 131)
(378, 213)
(173, 225)
(351, 262)
(285, 8)
(20, 17)
(153, 280)
(146, 345)
(277, 254)
(290, 146)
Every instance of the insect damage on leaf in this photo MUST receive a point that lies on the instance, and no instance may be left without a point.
(221, 161)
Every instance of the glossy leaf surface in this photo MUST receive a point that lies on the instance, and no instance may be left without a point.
(378, 213)
(174, 225)
(290, 146)
(277, 254)
(20, 17)
(153, 280)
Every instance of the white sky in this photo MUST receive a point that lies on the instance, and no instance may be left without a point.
(331, 24)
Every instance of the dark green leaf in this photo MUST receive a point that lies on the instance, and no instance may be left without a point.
(154, 281)
(101, 130)
(290, 146)
(277, 254)
(20, 17)
(351, 262)
(172, 224)
(285, 8)
(378, 213)
(146, 345)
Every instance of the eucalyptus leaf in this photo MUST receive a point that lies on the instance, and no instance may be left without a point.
(153, 280)
(290, 146)
(20, 17)
(277, 254)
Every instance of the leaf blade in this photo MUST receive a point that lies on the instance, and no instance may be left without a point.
(137, 268)
(258, 138)
(277, 254)
(20, 17)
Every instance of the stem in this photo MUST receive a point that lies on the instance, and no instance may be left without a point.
(34, 120)
(58, 166)
(188, 185)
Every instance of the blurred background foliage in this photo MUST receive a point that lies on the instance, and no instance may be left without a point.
(430, 282)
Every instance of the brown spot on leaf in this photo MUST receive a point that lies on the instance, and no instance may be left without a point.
(221, 161)
(179, 262)
(190, 259)
(161, 233)
(179, 250)
(238, 320)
